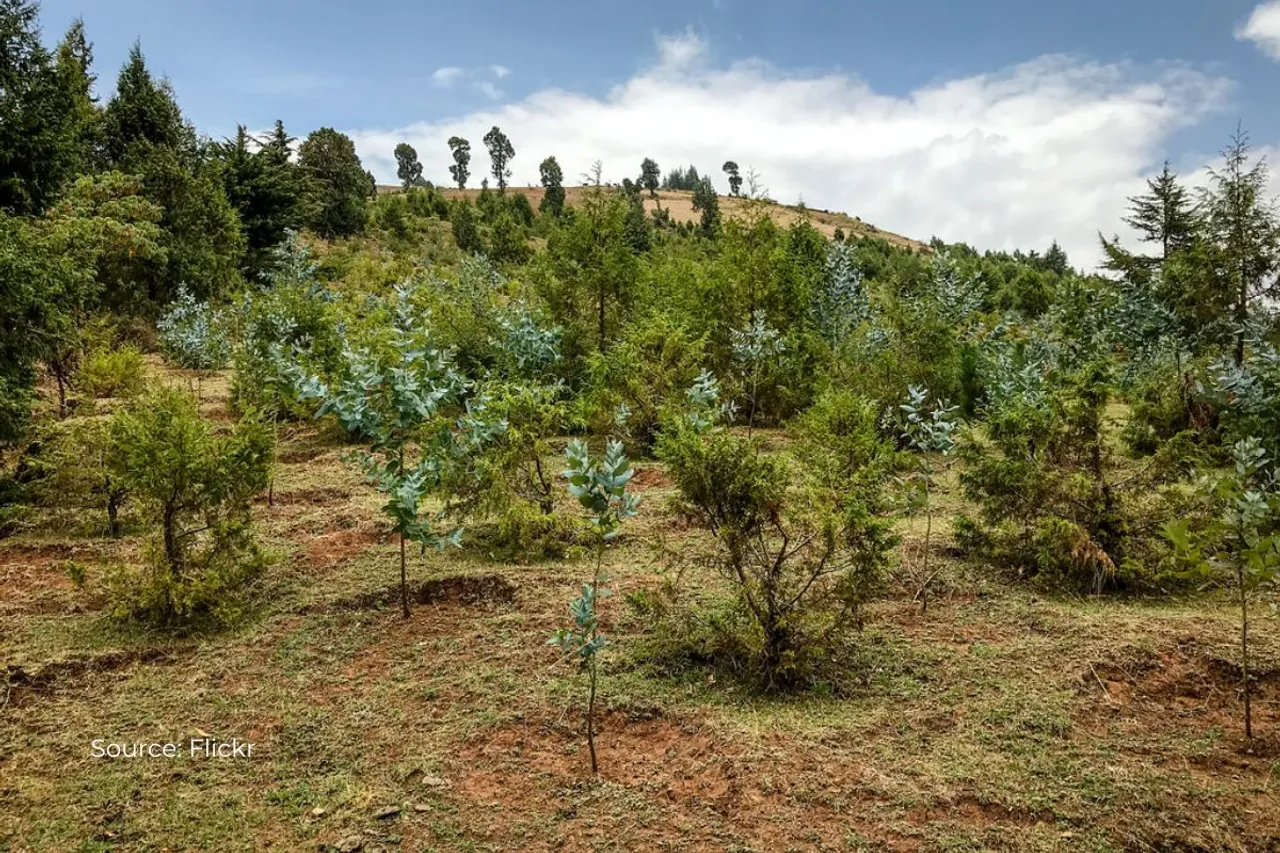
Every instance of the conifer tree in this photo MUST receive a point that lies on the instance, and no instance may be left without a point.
(1164, 215)
(649, 176)
(339, 185)
(730, 168)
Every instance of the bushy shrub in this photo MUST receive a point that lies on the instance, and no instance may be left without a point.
(111, 372)
(194, 488)
(72, 469)
(801, 560)
(637, 380)
(1056, 503)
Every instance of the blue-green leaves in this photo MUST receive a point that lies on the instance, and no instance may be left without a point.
(929, 429)
(193, 334)
(601, 487)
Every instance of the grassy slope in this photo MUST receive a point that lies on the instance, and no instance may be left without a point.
(680, 204)
(1004, 721)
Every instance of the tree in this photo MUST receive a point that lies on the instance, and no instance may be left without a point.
(500, 154)
(266, 189)
(197, 486)
(601, 489)
(1242, 221)
(706, 201)
(407, 401)
(1243, 538)
(730, 168)
(408, 169)
(44, 109)
(339, 185)
(1164, 215)
(650, 176)
(141, 112)
(928, 430)
(461, 150)
(553, 184)
(43, 293)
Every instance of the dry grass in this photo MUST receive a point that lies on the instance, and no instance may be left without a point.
(1003, 721)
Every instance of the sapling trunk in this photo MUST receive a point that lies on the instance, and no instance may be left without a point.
(404, 575)
(928, 531)
(592, 669)
(1244, 652)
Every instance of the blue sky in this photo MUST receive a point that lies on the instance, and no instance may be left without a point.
(927, 89)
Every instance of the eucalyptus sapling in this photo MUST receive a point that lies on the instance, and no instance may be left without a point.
(399, 400)
(601, 488)
(928, 431)
(1243, 539)
(753, 347)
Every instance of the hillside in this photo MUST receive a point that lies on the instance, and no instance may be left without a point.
(680, 203)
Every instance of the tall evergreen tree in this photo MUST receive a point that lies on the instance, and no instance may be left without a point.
(1165, 215)
(553, 184)
(140, 112)
(266, 189)
(460, 170)
(40, 114)
(501, 153)
(339, 185)
(1242, 221)
(408, 168)
(707, 202)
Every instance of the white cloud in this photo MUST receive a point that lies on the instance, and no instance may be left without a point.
(1010, 159)
(447, 76)
(489, 90)
(1263, 28)
(499, 71)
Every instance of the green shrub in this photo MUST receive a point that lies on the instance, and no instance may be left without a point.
(112, 372)
(195, 489)
(73, 469)
(801, 561)
(1056, 503)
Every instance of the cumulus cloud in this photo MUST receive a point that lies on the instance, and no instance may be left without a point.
(1263, 29)
(447, 76)
(1015, 158)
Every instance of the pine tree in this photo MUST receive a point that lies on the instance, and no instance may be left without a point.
(1242, 222)
(461, 150)
(40, 114)
(501, 153)
(553, 182)
(706, 201)
(408, 168)
(266, 189)
(1165, 215)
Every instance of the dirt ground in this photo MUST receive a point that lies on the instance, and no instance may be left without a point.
(1001, 721)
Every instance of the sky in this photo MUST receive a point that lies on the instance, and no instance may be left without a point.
(1000, 123)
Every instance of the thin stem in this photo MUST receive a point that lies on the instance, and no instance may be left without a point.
(1244, 652)
(404, 575)
(928, 531)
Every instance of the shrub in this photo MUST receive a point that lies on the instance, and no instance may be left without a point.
(1054, 500)
(514, 485)
(196, 488)
(111, 372)
(801, 561)
(73, 469)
